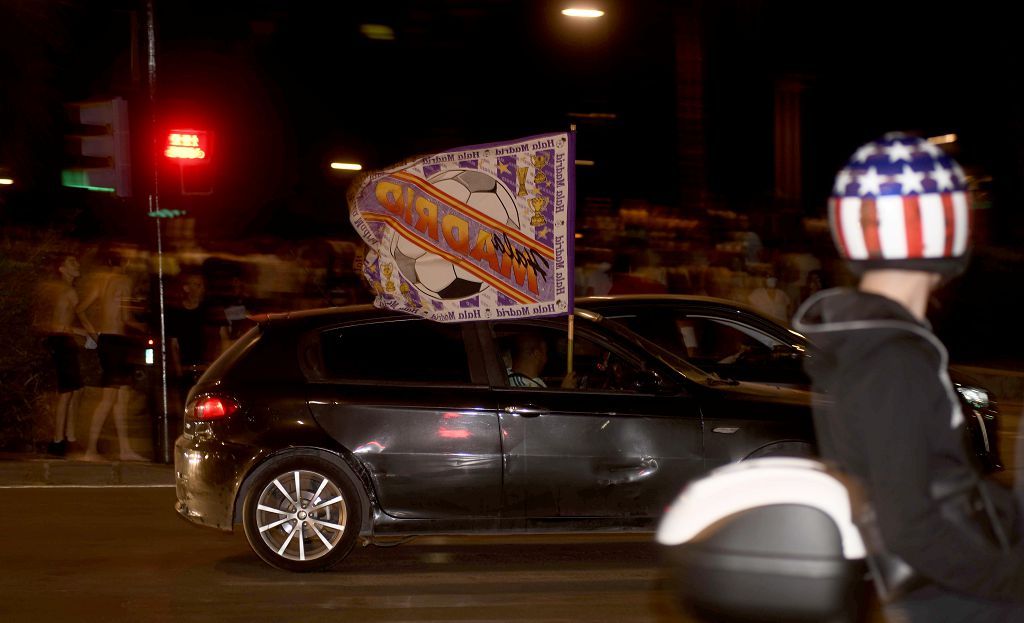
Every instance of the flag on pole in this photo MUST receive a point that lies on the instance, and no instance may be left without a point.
(474, 233)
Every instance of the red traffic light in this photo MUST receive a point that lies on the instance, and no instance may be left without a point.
(187, 145)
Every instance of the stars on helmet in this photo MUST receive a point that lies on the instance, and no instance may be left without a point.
(864, 152)
(930, 149)
(898, 151)
(870, 183)
(911, 180)
(842, 181)
(943, 177)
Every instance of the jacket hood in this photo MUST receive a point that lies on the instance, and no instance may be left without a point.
(844, 324)
(846, 309)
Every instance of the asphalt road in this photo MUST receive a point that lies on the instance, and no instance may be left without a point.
(110, 554)
(121, 554)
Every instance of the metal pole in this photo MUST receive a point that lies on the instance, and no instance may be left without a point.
(154, 205)
(572, 317)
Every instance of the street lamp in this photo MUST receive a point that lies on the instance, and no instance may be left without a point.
(943, 139)
(585, 13)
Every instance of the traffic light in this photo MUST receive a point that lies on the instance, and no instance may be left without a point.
(190, 149)
(99, 147)
(187, 146)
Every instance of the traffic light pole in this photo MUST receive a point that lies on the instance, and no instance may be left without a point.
(154, 206)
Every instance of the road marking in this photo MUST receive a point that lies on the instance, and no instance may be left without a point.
(87, 486)
(461, 577)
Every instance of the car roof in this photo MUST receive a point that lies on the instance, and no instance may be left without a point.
(621, 301)
(609, 300)
(355, 313)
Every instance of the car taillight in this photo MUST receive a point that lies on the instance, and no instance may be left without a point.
(208, 408)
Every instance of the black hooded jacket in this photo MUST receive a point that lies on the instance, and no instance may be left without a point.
(891, 418)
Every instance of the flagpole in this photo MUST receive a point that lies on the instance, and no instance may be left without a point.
(572, 325)
(572, 262)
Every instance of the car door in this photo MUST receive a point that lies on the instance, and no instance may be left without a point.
(409, 400)
(615, 449)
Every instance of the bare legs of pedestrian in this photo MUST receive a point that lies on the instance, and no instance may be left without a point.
(71, 420)
(65, 416)
(60, 416)
(114, 399)
(64, 412)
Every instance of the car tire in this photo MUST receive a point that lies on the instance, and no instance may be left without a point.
(302, 513)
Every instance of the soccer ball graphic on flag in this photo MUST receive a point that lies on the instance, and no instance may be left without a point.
(431, 273)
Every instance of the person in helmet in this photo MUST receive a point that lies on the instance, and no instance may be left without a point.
(900, 217)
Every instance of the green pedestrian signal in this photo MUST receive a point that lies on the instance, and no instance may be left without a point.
(164, 213)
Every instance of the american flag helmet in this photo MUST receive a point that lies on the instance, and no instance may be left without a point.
(901, 202)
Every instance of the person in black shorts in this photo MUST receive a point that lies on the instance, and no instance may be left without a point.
(109, 293)
(56, 320)
(116, 353)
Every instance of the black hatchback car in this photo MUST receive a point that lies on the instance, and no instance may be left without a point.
(318, 429)
(736, 341)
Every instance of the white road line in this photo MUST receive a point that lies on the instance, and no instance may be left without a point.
(86, 486)
(462, 577)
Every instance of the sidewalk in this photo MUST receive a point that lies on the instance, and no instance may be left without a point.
(28, 470)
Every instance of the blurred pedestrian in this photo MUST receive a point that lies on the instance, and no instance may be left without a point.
(815, 282)
(109, 293)
(193, 336)
(637, 273)
(235, 307)
(899, 217)
(770, 299)
(57, 323)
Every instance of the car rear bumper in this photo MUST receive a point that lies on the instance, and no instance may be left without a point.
(207, 475)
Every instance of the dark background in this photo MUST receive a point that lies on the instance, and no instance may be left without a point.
(286, 86)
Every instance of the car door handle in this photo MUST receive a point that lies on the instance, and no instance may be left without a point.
(526, 410)
(725, 430)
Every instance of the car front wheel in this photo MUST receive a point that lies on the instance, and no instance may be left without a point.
(302, 514)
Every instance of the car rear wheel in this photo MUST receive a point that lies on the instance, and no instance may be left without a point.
(302, 514)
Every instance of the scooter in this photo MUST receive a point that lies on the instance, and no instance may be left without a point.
(769, 539)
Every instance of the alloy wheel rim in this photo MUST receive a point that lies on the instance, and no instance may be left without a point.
(301, 515)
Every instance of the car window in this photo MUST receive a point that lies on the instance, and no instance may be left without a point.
(721, 341)
(399, 351)
(697, 338)
(536, 357)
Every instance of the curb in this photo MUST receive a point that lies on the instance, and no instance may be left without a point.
(28, 472)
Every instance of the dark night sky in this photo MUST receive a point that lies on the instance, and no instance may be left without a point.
(287, 86)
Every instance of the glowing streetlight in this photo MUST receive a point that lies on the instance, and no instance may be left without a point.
(378, 32)
(942, 140)
(6, 181)
(581, 12)
(346, 166)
